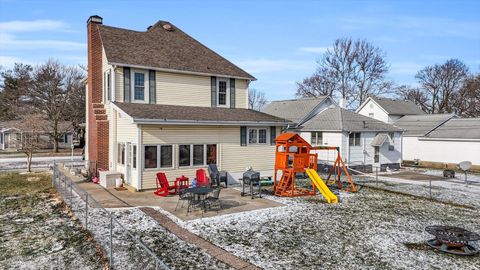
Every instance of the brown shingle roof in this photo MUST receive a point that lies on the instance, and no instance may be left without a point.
(158, 113)
(169, 49)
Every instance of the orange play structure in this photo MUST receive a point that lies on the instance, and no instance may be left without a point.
(293, 155)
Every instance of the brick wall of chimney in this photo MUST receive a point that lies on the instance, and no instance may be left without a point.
(97, 131)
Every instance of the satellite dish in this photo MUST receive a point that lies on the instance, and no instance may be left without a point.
(465, 165)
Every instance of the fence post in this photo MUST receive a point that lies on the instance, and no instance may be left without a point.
(86, 211)
(376, 176)
(111, 241)
(53, 174)
(430, 185)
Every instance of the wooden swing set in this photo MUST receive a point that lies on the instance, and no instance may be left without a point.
(293, 155)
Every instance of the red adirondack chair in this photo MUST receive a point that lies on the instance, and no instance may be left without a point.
(163, 187)
(202, 179)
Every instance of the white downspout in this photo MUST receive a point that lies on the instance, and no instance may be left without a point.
(139, 157)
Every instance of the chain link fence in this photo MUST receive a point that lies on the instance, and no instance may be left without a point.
(429, 184)
(123, 249)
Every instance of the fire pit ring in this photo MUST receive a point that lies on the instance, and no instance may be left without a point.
(453, 240)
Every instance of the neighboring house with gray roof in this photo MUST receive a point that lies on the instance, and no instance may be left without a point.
(388, 110)
(299, 110)
(160, 101)
(441, 139)
(364, 142)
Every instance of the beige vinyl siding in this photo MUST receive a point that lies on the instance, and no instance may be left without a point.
(125, 132)
(231, 156)
(183, 89)
(241, 94)
(119, 84)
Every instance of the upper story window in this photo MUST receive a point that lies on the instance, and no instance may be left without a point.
(223, 94)
(140, 86)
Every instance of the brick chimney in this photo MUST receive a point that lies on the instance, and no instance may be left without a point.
(97, 122)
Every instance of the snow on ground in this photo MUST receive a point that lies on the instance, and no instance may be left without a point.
(36, 232)
(447, 191)
(371, 229)
(174, 252)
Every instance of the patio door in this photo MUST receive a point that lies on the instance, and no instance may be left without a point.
(376, 155)
(128, 163)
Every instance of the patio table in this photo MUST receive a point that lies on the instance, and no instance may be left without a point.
(200, 193)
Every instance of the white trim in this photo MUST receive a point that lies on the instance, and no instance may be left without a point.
(267, 134)
(206, 123)
(139, 157)
(448, 139)
(146, 86)
(181, 71)
(227, 90)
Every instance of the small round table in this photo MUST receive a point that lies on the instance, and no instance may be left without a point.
(200, 193)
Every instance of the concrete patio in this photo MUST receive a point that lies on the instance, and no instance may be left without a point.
(230, 199)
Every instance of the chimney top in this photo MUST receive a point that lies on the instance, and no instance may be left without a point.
(95, 19)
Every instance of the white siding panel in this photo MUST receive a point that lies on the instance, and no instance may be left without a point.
(241, 93)
(441, 151)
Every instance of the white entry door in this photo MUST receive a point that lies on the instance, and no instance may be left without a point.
(128, 163)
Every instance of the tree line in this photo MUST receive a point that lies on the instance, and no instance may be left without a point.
(355, 70)
(51, 93)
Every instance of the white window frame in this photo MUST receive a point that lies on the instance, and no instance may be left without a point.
(159, 156)
(354, 139)
(227, 101)
(267, 134)
(191, 155)
(146, 93)
(119, 157)
(315, 142)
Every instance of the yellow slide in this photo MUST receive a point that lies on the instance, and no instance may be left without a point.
(318, 182)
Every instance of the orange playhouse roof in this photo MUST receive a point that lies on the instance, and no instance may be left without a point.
(289, 136)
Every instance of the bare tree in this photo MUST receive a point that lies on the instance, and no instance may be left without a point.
(414, 94)
(352, 70)
(256, 99)
(466, 102)
(441, 83)
(52, 85)
(29, 140)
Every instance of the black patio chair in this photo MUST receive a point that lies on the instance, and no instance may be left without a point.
(183, 197)
(214, 199)
(216, 176)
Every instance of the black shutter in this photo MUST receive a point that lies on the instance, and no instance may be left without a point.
(243, 136)
(273, 135)
(214, 91)
(126, 84)
(232, 93)
(152, 87)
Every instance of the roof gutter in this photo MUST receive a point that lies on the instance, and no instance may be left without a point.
(448, 139)
(205, 122)
(182, 71)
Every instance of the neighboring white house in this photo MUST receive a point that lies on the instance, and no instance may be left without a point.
(364, 142)
(440, 139)
(388, 110)
(10, 136)
(160, 101)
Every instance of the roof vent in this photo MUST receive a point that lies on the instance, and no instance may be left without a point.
(148, 28)
(167, 27)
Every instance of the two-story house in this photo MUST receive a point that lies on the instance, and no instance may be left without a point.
(388, 110)
(364, 142)
(159, 100)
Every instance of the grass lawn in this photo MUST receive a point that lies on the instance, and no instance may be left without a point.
(36, 229)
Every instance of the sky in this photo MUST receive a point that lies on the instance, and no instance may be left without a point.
(278, 42)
